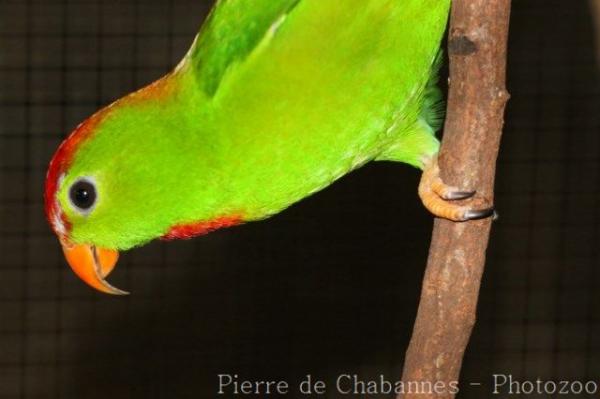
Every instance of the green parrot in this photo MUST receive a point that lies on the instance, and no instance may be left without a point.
(275, 100)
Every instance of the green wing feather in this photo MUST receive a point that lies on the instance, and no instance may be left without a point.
(232, 30)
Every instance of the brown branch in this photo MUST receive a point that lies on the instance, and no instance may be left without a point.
(477, 97)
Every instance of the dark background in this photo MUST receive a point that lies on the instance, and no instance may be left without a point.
(329, 286)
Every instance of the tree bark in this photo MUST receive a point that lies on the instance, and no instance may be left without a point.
(477, 98)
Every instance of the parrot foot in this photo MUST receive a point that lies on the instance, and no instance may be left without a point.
(436, 195)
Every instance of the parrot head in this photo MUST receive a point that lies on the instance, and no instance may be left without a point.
(86, 202)
(110, 188)
(77, 197)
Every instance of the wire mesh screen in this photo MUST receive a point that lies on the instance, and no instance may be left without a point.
(328, 287)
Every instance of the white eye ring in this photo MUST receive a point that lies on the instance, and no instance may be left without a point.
(83, 195)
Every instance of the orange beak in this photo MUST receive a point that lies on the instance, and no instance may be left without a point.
(92, 265)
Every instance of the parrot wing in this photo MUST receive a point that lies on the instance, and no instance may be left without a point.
(233, 29)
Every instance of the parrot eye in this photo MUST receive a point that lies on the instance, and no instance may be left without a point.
(83, 194)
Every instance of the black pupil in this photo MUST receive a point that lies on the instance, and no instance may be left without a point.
(83, 194)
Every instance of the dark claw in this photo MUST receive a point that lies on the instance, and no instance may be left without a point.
(459, 195)
(475, 214)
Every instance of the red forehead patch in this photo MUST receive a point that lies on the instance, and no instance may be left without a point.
(59, 164)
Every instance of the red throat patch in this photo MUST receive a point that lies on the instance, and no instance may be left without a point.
(189, 230)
